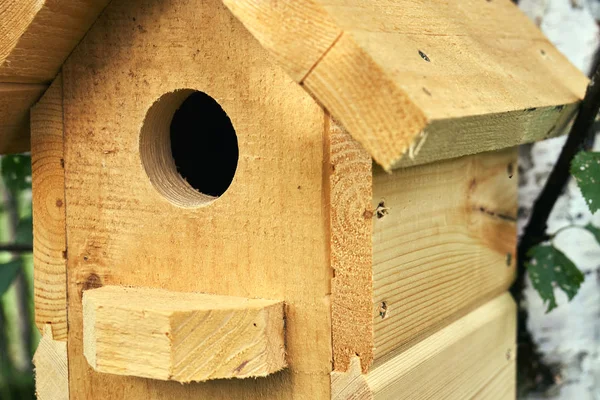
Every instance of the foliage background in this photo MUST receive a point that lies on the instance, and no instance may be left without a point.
(18, 337)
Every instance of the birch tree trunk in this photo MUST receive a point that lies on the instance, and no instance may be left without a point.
(569, 336)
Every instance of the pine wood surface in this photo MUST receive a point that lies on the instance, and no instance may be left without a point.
(185, 337)
(15, 100)
(444, 239)
(472, 358)
(266, 237)
(350, 217)
(51, 370)
(36, 36)
(390, 70)
(48, 197)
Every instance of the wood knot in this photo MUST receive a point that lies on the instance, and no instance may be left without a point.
(93, 281)
(59, 203)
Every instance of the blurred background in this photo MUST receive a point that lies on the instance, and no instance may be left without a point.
(18, 335)
(568, 337)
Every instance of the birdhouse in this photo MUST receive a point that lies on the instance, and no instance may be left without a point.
(261, 199)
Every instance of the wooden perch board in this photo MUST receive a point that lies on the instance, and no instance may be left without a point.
(157, 334)
(472, 358)
(444, 240)
(36, 36)
(392, 71)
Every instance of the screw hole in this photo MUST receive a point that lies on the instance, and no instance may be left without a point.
(424, 56)
(383, 308)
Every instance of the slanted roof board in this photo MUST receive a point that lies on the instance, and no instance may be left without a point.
(391, 69)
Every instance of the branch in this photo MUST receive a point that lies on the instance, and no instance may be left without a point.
(16, 248)
(529, 360)
(535, 231)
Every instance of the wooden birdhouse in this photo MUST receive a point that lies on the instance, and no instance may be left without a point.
(276, 199)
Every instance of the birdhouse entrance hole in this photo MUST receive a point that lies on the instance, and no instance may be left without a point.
(189, 148)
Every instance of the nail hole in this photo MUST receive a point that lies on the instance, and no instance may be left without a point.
(189, 148)
(381, 210)
(424, 56)
(542, 52)
(383, 308)
(510, 169)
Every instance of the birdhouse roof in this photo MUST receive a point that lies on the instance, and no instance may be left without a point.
(422, 79)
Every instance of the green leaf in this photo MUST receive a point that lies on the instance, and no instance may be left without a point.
(16, 172)
(585, 168)
(8, 271)
(24, 234)
(594, 231)
(549, 268)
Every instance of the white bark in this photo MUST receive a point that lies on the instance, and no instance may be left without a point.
(569, 335)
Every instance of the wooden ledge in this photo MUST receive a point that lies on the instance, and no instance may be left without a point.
(154, 333)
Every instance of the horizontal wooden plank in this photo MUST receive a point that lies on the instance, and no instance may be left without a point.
(472, 358)
(390, 70)
(51, 368)
(158, 334)
(444, 237)
(15, 101)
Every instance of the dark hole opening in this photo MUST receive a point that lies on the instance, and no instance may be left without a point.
(204, 144)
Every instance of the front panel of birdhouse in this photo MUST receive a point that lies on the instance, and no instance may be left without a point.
(133, 217)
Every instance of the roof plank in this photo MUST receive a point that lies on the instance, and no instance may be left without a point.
(404, 69)
(36, 36)
(15, 100)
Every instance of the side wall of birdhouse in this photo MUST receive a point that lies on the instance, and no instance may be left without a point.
(443, 248)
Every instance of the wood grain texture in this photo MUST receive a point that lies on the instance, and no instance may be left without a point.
(297, 33)
(472, 358)
(266, 237)
(444, 239)
(184, 337)
(351, 259)
(38, 35)
(460, 69)
(48, 197)
(51, 368)
(351, 384)
(15, 101)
